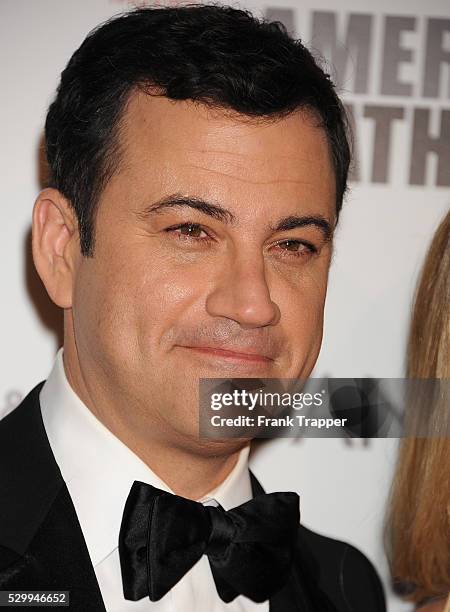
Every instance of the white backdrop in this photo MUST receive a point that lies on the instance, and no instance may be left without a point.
(393, 65)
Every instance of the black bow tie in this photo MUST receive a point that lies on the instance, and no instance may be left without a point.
(250, 548)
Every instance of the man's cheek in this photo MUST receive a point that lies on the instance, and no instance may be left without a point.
(172, 289)
(301, 307)
(161, 302)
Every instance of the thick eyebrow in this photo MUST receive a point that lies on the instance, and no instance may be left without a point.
(292, 222)
(180, 201)
(222, 214)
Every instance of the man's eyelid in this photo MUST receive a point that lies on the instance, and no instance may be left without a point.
(209, 232)
(316, 239)
(301, 243)
(307, 233)
(315, 244)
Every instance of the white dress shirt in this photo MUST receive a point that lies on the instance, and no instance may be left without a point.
(99, 470)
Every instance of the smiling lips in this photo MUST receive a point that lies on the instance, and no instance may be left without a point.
(233, 355)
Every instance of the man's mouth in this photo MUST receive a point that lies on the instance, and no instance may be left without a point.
(247, 355)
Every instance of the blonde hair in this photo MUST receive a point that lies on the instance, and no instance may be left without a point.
(418, 519)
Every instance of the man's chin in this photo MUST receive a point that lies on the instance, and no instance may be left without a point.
(221, 446)
(190, 439)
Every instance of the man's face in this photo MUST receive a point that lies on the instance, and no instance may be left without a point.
(211, 257)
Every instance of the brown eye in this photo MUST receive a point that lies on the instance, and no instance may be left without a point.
(290, 245)
(187, 231)
(295, 248)
(190, 229)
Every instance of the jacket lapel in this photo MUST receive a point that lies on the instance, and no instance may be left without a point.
(301, 592)
(41, 543)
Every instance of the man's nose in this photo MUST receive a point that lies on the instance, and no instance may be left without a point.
(242, 294)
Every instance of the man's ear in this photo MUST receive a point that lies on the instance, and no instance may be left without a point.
(55, 245)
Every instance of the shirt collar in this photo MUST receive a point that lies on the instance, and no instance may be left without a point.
(99, 469)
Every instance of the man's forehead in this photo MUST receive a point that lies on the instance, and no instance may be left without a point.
(246, 167)
(252, 169)
(197, 129)
(177, 146)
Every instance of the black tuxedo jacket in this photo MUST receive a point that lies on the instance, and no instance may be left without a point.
(42, 546)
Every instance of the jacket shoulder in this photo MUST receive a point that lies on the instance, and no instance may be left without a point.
(343, 572)
(29, 476)
(13, 422)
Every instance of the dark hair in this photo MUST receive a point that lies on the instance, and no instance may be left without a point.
(213, 54)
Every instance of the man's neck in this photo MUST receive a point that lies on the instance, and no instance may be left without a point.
(186, 473)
